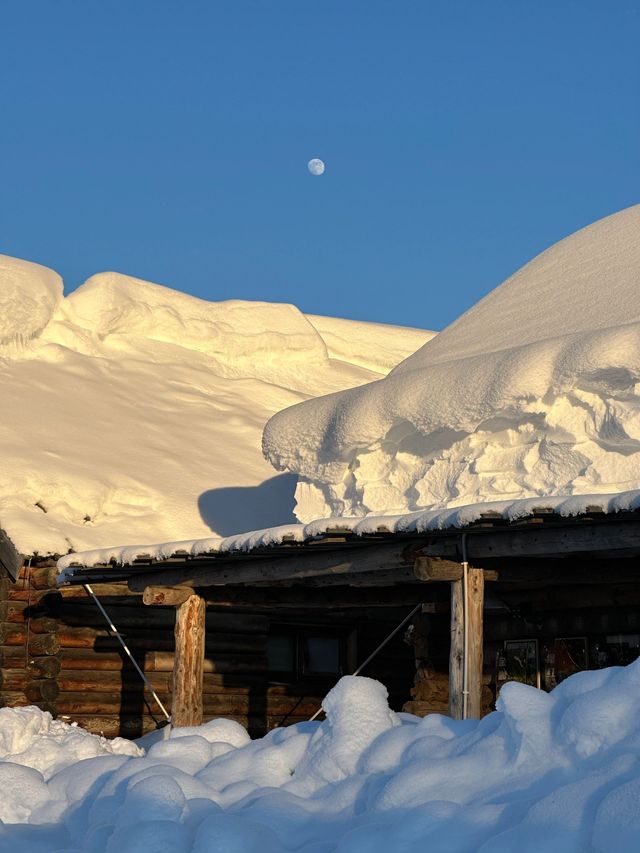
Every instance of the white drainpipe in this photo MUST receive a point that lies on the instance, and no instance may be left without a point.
(465, 628)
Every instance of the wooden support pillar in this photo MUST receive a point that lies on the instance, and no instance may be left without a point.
(456, 651)
(475, 604)
(475, 642)
(188, 665)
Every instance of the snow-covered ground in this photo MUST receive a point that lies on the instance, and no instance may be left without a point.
(555, 772)
(534, 391)
(133, 412)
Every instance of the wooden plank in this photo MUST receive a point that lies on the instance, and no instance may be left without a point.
(188, 666)
(456, 653)
(304, 563)
(475, 602)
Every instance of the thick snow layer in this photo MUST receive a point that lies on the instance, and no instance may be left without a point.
(29, 295)
(545, 772)
(132, 412)
(31, 737)
(412, 522)
(532, 392)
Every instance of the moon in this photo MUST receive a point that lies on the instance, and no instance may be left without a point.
(315, 166)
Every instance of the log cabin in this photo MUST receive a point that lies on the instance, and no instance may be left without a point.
(261, 629)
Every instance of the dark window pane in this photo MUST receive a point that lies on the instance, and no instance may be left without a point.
(281, 653)
(322, 654)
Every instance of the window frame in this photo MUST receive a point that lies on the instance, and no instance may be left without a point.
(299, 634)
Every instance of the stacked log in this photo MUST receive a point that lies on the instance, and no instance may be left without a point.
(28, 645)
(57, 652)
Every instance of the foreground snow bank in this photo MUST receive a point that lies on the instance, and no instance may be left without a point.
(546, 772)
(533, 392)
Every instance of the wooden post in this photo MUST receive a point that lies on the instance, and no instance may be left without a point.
(475, 627)
(456, 651)
(475, 604)
(188, 666)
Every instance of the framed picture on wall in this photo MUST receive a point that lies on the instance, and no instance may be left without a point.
(519, 662)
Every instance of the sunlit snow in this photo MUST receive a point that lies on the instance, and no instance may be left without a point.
(532, 392)
(133, 412)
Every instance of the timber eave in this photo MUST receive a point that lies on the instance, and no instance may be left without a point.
(492, 542)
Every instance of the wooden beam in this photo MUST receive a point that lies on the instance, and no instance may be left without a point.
(381, 577)
(542, 540)
(302, 597)
(188, 665)
(162, 595)
(436, 569)
(456, 651)
(475, 602)
(304, 563)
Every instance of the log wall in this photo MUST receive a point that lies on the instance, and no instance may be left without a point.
(56, 652)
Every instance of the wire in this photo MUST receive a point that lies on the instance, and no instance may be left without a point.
(376, 650)
(126, 648)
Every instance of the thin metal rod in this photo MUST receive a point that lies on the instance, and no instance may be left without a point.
(126, 648)
(465, 629)
(378, 649)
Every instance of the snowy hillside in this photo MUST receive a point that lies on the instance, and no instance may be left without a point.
(534, 391)
(545, 772)
(132, 412)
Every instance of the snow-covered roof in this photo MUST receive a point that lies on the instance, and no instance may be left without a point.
(134, 410)
(533, 391)
(410, 523)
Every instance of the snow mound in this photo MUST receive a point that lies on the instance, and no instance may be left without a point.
(29, 295)
(243, 337)
(558, 771)
(136, 411)
(32, 738)
(534, 391)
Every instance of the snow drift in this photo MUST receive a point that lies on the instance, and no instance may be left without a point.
(532, 392)
(558, 771)
(29, 295)
(134, 412)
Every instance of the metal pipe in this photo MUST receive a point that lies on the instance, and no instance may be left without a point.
(465, 629)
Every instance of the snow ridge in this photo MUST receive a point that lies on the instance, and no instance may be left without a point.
(533, 391)
(135, 412)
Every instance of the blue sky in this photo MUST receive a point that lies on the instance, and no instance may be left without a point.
(169, 140)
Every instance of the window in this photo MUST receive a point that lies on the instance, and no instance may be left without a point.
(321, 655)
(296, 652)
